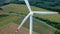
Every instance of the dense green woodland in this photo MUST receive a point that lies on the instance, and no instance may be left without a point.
(47, 4)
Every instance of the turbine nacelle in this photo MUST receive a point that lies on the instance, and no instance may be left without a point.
(31, 13)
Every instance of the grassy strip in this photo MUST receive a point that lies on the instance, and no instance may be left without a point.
(7, 20)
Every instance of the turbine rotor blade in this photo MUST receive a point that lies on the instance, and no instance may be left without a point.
(24, 20)
(46, 12)
(28, 5)
(31, 24)
(22, 23)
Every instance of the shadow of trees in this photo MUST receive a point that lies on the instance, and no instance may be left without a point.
(3, 15)
(54, 24)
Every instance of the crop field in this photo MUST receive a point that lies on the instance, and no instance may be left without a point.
(22, 9)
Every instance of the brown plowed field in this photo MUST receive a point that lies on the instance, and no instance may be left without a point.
(10, 29)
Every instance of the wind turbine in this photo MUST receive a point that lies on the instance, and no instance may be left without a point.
(31, 17)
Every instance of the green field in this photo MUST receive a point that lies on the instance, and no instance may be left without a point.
(22, 9)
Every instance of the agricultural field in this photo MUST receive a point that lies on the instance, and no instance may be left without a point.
(22, 9)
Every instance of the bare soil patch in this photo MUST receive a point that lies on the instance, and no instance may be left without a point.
(10, 29)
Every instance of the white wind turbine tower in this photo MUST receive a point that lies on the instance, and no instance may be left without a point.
(31, 17)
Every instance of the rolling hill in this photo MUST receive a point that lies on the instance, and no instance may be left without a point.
(22, 9)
